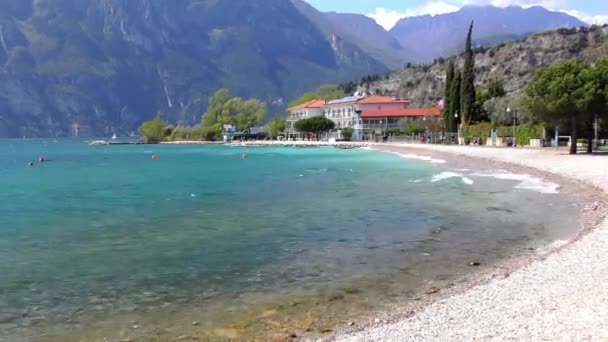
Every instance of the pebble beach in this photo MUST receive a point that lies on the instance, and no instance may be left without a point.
(560, 297)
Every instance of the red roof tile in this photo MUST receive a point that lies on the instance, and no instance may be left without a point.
(401, 112)
(309, 104)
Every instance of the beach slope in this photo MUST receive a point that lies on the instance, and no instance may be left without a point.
(563, 297)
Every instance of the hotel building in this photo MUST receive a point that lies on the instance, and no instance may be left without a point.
(365, 114)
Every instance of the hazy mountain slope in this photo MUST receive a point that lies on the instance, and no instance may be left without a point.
(99, 66)
(358, 30)
(373, 38)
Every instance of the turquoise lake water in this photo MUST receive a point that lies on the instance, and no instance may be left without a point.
(99, 231)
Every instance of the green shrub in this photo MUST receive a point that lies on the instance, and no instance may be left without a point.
(504, 131)
(527, 132)
(481, 130)
(178, 134)
(347, 133)
(153, 131)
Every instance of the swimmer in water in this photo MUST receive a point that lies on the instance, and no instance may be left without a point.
(30, 164)
(41, 159)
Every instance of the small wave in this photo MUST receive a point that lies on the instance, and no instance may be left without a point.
(526, 182)
(447, 175)
(315, 171)
(423, 158)
(415, 181)
(367, 148)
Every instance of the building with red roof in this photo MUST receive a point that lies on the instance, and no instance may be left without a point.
(365, 114)
(305, 110)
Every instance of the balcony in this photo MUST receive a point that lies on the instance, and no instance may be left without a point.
(380, 126)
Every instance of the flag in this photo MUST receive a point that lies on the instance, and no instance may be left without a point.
(440, 103)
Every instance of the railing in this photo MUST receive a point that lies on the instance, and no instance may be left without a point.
(380, 126)
(428, 138)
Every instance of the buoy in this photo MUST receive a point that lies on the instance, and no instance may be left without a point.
(154, 157)
(244, 156)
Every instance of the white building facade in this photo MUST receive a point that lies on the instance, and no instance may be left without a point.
(367, 115)
(306, 110)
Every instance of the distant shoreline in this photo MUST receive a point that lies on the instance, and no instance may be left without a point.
(276, 143)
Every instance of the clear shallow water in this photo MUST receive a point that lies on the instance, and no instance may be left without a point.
(97, 232)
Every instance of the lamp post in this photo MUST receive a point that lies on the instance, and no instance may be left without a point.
(457, 127)
(596, 127)
(514, 117)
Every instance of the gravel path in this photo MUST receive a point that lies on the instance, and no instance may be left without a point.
(562, 298)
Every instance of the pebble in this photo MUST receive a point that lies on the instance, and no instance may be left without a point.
(195, 323)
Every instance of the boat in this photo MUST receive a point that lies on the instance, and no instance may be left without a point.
(114, 136)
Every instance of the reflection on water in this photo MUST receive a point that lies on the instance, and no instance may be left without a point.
(103, 242)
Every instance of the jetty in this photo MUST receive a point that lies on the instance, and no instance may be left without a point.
(108, 143)
(301, 144)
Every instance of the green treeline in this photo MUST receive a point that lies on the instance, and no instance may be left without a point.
(325, 92)
(222, 109)
(572, 95)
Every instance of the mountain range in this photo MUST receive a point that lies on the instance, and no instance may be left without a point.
(443, 34)
(95, 67)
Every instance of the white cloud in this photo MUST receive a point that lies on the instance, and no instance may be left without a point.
(522, 3)
(388, 18)
(588, 18)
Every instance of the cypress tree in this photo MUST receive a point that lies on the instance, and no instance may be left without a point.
(468, 80)
(455, 102)
(448, 116)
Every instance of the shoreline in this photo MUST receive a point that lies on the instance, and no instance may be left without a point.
(406, 308)
(433, 318)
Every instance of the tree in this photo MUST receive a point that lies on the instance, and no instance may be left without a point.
(565, 93)
(215, 106)
(496, 89)
(153, 131)
(468, 81)
(497, 109)
(316, 125)
(225, 109)
(409, 126)
(276, 126)
(448, 115)
(251, 113)
(595, 102)
(455, 102)
(347, 133)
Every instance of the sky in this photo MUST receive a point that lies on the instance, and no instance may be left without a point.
(388, 12)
